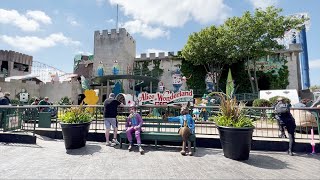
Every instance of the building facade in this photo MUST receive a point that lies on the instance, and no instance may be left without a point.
(14, 64)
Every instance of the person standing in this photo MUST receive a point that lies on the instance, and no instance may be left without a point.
(285, 120)
(5, 100)
(110, 118)
(45, 102)
(35, 102)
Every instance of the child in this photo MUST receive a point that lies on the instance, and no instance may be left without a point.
(133, 125)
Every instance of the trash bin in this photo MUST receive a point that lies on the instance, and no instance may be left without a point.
(44, 120)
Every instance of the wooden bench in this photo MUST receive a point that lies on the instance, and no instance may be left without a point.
(159, 130)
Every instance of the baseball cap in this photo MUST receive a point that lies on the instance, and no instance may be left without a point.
(111, 95)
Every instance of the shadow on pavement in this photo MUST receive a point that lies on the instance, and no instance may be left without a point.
(265, 162)
(44, 138)
(309, 155)
(89, 149)
(200, 152)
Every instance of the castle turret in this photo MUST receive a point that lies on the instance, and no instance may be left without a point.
(113, 46)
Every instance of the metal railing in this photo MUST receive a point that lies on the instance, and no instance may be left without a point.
(29, 118)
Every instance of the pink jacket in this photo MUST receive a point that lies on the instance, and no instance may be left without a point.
(134, 120)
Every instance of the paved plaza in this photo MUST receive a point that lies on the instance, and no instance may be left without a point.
(49, 160)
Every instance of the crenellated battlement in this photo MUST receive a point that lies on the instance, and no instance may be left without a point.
(161, 55)
(15, 57)
(105, 34)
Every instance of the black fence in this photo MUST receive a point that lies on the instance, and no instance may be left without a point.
(31, 118)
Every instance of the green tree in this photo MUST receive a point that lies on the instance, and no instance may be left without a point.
(209, 48)
(197, 80)
(255, 36)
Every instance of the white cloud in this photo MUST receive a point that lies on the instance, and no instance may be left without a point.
(84, 53)
(111, 21)
(137, 27)
(263, 3)
(33, 43)
(39, 16)
(28, 22)
(174, 13)
(72, 21)
(314, 64)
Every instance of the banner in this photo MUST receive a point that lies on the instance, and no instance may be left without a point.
(167, 97)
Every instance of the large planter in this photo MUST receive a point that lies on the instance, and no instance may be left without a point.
(75, 135)
(236, 142)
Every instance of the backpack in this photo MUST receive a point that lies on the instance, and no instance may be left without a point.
(282, 108)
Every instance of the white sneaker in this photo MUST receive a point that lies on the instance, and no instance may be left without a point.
(115, 141)
(108, 144)
(130, 147)
(141, 150)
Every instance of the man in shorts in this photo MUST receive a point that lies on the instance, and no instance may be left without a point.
(110, 118)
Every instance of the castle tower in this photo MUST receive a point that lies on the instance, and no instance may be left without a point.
(111, 46)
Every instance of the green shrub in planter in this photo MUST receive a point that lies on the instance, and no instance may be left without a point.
(231, 113)
(75, 124)
(76, 115)
(235, 128)
(273, 100)
(261, 103)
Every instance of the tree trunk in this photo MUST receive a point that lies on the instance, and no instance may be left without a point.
(249, 74)
(255, 75)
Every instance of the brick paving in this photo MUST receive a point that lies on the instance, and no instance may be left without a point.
(48, 160)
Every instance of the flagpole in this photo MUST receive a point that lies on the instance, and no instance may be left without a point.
(117, 17)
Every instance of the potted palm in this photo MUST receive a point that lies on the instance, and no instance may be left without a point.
(75, 124)
(235, 128)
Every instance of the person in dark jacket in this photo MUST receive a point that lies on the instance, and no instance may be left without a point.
(285, 121)
(5, 99)
(110, 118)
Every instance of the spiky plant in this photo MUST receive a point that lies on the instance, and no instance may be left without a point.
(231, 113)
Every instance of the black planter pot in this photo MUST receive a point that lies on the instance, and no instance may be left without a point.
(236, 142)
(75, 135)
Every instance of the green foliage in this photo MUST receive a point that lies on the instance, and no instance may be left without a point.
(231, 114)
(261, 103)
(76, 115)
(65, 101)
(14, 101)
(273, 100)
(276, 81)
(31, 100)
(156, 71)
(197, 80)
(255, 35)
(251, 36)
(240, 78)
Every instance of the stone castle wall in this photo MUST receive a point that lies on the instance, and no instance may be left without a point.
(55, 91)
(16, 57)
(111, 46)
(167, 63)
(15, 87)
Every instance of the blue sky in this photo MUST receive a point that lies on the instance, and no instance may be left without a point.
(53, 32)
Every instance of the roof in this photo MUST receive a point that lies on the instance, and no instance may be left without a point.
(25, 77)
